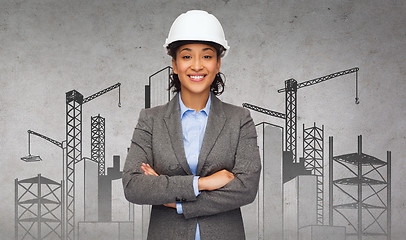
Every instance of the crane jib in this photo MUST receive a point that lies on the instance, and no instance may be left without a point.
(322, 79)
(91, 97)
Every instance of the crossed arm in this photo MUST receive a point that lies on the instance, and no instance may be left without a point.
(222, 191)
(215, 181)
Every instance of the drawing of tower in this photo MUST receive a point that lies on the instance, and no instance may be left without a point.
(99, 187)
(262, 218)
(360, 194)
(156, 92)
(38, 209)
(98, 142)
(313, 154)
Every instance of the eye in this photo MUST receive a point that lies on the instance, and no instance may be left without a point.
(186, 57)
(207, 57)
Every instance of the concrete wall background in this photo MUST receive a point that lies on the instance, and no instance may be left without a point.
(48, 47)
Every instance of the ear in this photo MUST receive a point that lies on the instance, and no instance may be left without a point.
(174, 67)
(218, 65)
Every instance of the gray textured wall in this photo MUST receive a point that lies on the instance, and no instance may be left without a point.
(48, 47)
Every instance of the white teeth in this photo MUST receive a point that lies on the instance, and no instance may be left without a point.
(196, 77)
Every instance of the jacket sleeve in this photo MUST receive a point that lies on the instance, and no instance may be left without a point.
(243, 188)
(154, 190)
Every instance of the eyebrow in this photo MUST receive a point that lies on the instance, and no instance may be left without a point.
(204, 49)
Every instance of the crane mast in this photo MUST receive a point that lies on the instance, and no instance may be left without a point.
(74, 102)
(313, 134)
(291, 117)
(98, 143)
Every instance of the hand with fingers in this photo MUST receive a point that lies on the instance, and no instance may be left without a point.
(215, 181)
(148, 170)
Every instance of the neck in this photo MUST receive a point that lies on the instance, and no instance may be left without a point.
(195, 102)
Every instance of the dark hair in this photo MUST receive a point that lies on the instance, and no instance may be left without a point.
(217, 86)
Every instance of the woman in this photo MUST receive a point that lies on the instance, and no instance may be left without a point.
(195, 159)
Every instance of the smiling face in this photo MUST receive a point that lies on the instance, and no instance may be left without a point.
(196, 65)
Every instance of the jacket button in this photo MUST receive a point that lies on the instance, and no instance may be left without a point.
(183, 200)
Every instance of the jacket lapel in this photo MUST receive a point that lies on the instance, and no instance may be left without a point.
(215, 123)
(173, 124)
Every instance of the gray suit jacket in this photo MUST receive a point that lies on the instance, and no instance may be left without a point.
(230, 142)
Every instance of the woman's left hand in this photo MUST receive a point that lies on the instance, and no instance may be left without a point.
(172, 205)
(148, 170)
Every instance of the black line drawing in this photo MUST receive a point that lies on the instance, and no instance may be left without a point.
(290, 168)
(302, 182)
(313, 154)
(38, 208)
(74, 102)
(98, 191)
(362, 205)
(73, 151)
(35, 158)
(156, 97)
(156, 93)
(291, 87)
(303, 219)
(98, 142)
(269, 201)
(105, 189)
(294, 184)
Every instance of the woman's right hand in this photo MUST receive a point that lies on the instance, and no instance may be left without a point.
(215, 181)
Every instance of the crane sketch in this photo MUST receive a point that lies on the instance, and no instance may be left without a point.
(323, 81)
(301, 180)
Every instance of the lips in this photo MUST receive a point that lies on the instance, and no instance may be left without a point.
(197, 78)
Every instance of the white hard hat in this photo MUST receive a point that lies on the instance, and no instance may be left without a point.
(197, 25)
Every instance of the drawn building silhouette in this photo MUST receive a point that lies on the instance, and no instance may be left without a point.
(263, 217)
(98, 221)
(301, 195)
(156, 93)
(74, 105)
(72, 149)
(98, 205)
(299, 206)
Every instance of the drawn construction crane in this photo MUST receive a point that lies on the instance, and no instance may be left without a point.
(264, 111)
(313, 156)
(290, 116)
(74, 102)
(34, 158)
(291, 87)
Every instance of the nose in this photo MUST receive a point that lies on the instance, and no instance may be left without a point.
(197, 64)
